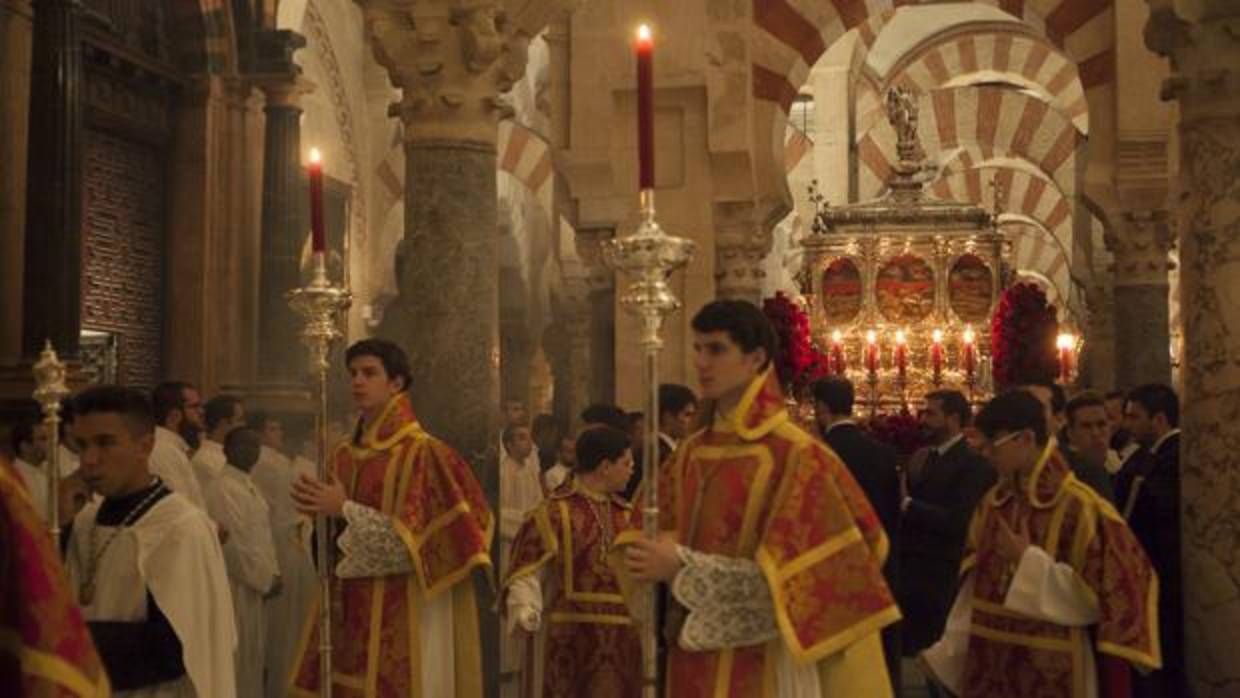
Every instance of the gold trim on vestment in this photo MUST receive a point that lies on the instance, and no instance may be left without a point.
(54, 668)
(1034, 641)
(1145, 659)
(551, 546)
(723, 672)
(600, 618)
(570, 593)
(818, 553)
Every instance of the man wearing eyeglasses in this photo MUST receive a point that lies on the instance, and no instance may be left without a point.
(1057, 596)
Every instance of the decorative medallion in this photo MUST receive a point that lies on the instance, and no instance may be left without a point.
(841, 292)
(905, 289)
(970, 289)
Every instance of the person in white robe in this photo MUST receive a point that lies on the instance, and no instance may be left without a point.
(170, 461)
(286, 612)
(557, 474)
(223, 414)
(29, 442)
(145, 563)
(520, 492)
(237, 506)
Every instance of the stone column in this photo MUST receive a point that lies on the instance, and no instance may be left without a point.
(284, 220)
(16, 37)
(601, 281)
(741, 246)
(53, 256)
(1140, 298)
(1205, 57)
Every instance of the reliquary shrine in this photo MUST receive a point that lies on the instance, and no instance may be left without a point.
(901, 289)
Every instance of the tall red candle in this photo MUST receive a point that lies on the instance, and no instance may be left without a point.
(645, 107)
(871, 352)
(901, 354)
(318, 239)
(936, 356)
(969, 357)
(837, 352)
(1065, 342)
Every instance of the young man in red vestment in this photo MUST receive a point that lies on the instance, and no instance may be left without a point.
(1057, 596)
(771, 552)
(587, 645)
(415, 524)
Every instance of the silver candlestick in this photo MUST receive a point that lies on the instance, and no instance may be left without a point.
(648, 257)
(320, 304)
(50, 391)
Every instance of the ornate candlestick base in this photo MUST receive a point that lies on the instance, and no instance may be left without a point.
(320, 304)
(648, 256)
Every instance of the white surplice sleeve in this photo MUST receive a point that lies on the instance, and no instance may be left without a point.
(370, 545)
(728, 600)
(1051, 591)
(945, 658)
(249, 553)
(525, 603)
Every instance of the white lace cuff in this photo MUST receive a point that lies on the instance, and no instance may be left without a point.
(728, 600)
(369, 545)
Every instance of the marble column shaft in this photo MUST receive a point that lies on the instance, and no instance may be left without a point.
(1141, 299)
(283, 230)
(16, 39)
(601, 302)
(53, 257)
(1205, 57)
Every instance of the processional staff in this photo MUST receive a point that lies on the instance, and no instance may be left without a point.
(648, 256)
(320, 304)
(50, 391)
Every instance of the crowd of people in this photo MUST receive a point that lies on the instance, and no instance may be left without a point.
(1031, 549)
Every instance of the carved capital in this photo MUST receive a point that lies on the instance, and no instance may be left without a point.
(742, 241)
(1142, 248)
(451, 61)
(589, 243)
(739, 273)
(1205, 58)
(283, 91)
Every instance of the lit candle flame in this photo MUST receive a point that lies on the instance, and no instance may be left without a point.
(900, 337)
(871, 336)
(968, 335)
(837, 337)
(315, 155)
(1065, 340)
(643, 33)
(938, 336)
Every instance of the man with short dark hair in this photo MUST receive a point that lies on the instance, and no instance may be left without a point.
(223, 413)
(146, 564)
(677, 415)
(943, 485)
(875, 466)
(1088, 429)
(1085, 470)
(600, 413)
(570, 596)
(566, 460)
(1056, 592)
(416, 524)
(1150, 495)
(755, 503)
(249, 553)
(178, 421)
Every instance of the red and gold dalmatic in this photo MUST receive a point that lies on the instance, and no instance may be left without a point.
(45, 648)
(1013, 655)
(591, 647)
(757, 486)
(441, 514)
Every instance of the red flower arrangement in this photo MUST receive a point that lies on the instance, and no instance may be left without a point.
(1022, 334)
(901, 430)
(797, 361)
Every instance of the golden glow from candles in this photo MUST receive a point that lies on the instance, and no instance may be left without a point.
(969, 337)
(643, 33)
(871, 337)
(938, 336)
(837, 337)
(315, 155)
(900, 337)
(1065, 340)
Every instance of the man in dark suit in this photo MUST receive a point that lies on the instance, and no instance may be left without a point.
(944, 484)
(875, 467)
(677, 416)
(1149, 489)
